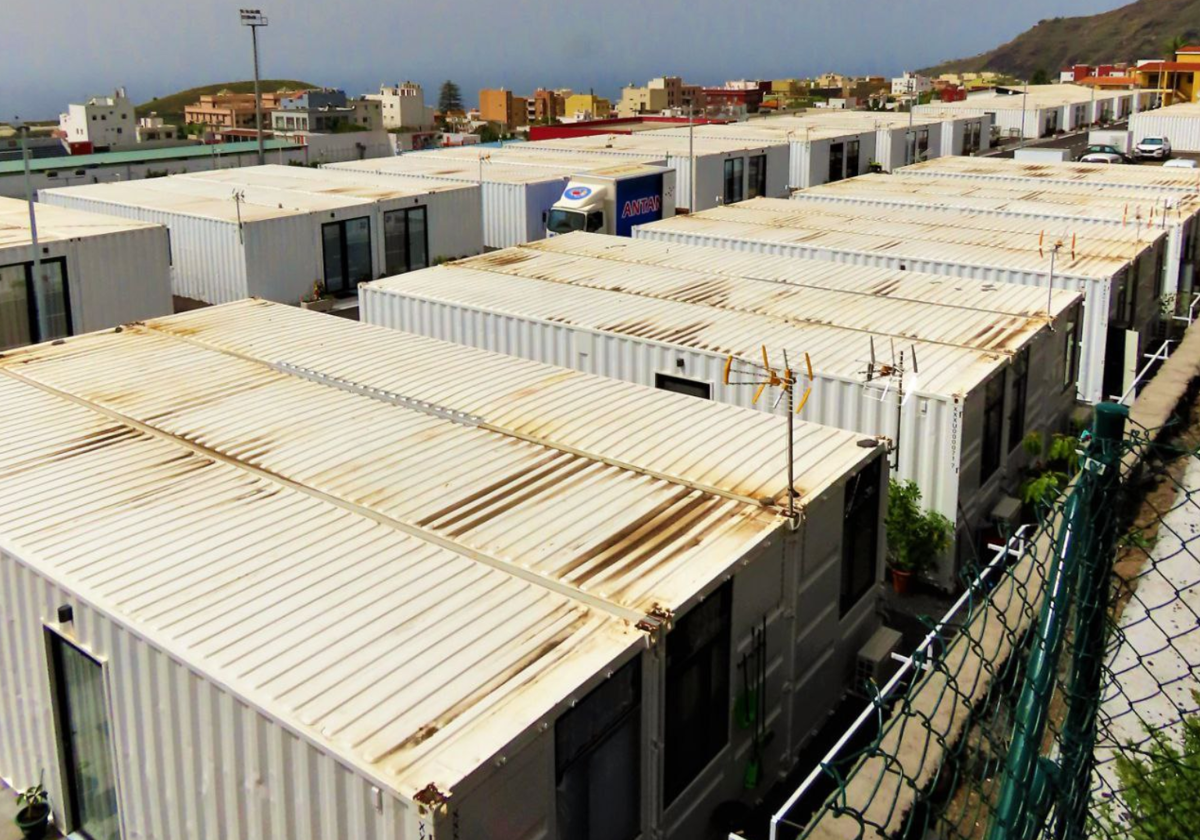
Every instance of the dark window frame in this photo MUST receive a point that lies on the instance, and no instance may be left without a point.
(1020, 402)
(756, 176)
(735, 177)
(712, 657)
(1071, 353)
(406, 213)
(860, 535)
(853, 158)
(837, 162)
(35, 333)
(992, 440)
(683, 385)
(350, 286)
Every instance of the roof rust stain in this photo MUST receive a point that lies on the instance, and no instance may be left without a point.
(498, 259)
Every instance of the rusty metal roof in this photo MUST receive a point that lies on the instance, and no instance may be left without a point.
(947, 371)
(408, 551)
(984, 239)
(788, 302)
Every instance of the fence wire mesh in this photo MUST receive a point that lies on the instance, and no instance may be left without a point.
(1059, 697)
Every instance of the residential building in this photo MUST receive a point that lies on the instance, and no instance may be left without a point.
(101, 123)
(864, 87)
(520, 108)
(911, 83)
(546, 106)
(586, 106)
(665, 94)
(736, 101)
(232, 110)
(152, 129)
(830, 80)
(1173, 81)
(325, 110)
(403, 106)
(500, 106)
(790, 88)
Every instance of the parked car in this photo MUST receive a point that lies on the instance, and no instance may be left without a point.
(1158, 148)
(1102, 157)
(1181, 163)
(1104, 149)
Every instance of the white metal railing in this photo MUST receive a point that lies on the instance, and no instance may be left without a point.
(1159, 355)
(1191, 312)
(1015, 547)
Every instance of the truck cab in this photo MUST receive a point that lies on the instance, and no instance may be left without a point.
(613, 200)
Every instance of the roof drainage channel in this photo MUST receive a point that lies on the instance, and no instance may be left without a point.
(469, 419)
(643, 620)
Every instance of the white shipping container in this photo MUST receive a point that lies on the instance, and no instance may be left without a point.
(99, 271)
(1178, 123)
(422, 629)
(1153, 179)
(1174, 213)
(1117, 272)
(516, 197)
(673, 328)
(275, 231)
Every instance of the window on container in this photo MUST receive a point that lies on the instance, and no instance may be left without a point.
(697, 692)
(680, 385)
(34, 308)
(860, 535)
(734, 180)
(597, 761)
(85, 742)
(347, 254)
(852, 158)
(922, 144)
(993, 427)
(405, 240)
(756, 182)
(837, 161)
(1071, 353)
(1127, 295)
(1020, 389)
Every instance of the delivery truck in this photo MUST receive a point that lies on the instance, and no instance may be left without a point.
(613, 200)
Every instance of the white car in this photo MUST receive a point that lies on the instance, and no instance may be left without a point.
(1181, 163)
(1101, 157)
(1153, 147)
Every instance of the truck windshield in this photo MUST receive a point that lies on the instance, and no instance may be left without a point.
(565, 221)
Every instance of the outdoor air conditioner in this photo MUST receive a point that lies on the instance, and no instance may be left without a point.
(875, 660)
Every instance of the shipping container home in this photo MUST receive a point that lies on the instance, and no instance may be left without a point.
(816, 154)
(1171, 211)
(1045, 110)
(93, 271)
(516, 195)
(1178, 123)
(453, 601)
(982, 381)
(1118, 270)
(726, 170)
(1153, 179)
(275, 231)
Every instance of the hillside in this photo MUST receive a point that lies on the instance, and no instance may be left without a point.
(170, 108)
(1139, 30)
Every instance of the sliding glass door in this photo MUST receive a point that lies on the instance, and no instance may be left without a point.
(405, 240)
(86, 742)
(34, 308)
(346, 247)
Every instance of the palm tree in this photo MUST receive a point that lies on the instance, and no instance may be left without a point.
(1174, 44)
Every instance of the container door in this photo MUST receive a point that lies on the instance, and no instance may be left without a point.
(85, 740)
(837, 162)
(1121, 353)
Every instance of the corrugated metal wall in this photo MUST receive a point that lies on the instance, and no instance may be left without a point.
(1182, 128)
(192, 760)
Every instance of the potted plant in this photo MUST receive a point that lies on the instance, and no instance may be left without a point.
(33, 812)
(317, 300)
(1047, 476)
(915, 536)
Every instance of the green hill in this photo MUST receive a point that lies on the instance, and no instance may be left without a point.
(170, 108)
(1139, 30)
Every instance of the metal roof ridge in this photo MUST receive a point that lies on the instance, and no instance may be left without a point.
(646, 621)
(414, 404)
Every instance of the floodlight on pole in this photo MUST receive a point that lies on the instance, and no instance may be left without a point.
(254, 18)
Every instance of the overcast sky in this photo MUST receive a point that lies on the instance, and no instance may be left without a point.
(56, 51)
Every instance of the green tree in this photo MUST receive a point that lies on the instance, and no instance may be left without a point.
(489, 134)
(1039, 77)
(1159, 784)
(915, 536)
(1174, 44)
(449, 97)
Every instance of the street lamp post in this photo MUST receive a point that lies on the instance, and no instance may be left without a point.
(26, 154)
(254, 18)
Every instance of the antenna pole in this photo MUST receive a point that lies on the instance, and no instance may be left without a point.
(1050, 290)
(791, 442)
(899, 412)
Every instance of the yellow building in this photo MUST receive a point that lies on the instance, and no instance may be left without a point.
(789, 88)
(1176, 81)
(597, 107)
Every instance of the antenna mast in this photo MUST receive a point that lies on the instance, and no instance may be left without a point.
(897, 369)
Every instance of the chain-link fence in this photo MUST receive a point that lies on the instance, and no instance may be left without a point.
(1056, 698)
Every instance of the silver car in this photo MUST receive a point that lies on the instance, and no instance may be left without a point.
(1158, 148)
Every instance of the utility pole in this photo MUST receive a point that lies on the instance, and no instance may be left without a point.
(254, 18)
(912, 137)
(26, 154)
(1024, 105)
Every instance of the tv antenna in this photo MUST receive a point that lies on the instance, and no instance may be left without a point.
(765, 376)
(1055, 247)
(894, 372)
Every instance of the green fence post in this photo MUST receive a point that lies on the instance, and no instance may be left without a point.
(1091, 612)
(1024, 798)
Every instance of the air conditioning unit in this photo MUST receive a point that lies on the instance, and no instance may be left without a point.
(875, 660)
